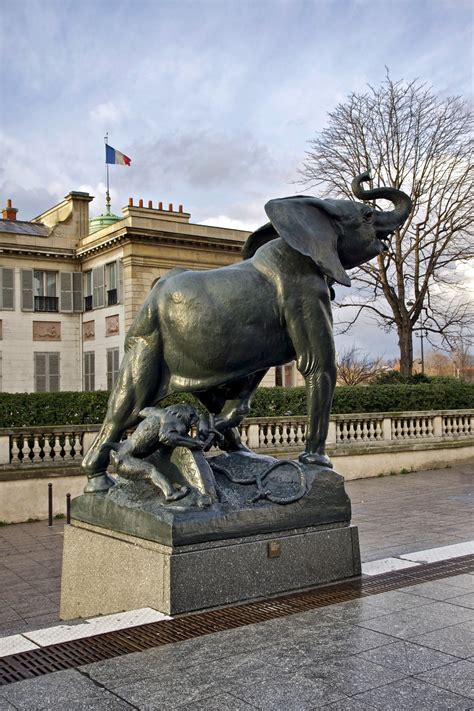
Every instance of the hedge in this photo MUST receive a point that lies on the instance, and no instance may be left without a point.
(73, 408)
(373, 398)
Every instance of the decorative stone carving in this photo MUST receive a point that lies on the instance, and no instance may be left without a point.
(46, 330)
(88, 330)
(112, 325)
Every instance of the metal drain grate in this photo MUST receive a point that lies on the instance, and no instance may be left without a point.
(68, 655)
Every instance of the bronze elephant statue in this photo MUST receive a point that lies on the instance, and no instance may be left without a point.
(216, 333)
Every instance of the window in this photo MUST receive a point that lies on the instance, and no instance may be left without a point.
(46, 372)
(111, 283)
(112, 367)
(88, 290)
(89, 370)
(288, 375)
(44, 283)
(284, 375)
(44, 291)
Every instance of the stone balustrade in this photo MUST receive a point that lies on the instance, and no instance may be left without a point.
(63, 446)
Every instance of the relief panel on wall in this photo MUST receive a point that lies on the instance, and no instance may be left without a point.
(46, 330)
(112, 325)
(88, 330)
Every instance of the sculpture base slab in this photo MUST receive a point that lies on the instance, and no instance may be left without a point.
(135, 508)
(105, 571)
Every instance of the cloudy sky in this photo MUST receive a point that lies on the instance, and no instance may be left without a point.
(213, 100)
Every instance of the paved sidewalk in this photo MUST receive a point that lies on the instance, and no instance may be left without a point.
(412, 512)
(395, 514)
(410, 649)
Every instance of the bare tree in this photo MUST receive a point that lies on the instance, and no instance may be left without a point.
(354, 368)
(409, 138)
(463, 361)
(438, 363)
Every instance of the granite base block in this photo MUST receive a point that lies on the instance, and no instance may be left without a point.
(105, 571)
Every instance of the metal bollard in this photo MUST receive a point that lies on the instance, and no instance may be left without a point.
(68, 508)
(50, 504)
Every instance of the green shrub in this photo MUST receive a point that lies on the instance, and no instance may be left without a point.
(64, 408)
(373, 398)
(74, 408)
(393, 377)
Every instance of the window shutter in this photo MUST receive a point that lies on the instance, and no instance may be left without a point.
(109, 369)
(77, 291)
(119, 272)
(40, 372)
(7, 302)
(65, 291)
(27, 301)
(116, 363)
(92, 371)
(89, 370)
(53, 359)
(98, 287)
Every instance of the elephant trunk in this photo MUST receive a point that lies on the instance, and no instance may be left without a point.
(385, 222)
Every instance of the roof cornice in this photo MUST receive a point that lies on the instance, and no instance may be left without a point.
(138, 234)
(38, 251)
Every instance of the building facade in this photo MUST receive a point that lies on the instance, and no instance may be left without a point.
(70, 287)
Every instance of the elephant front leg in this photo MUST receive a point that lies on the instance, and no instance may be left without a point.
(313, 343)
(319, 393)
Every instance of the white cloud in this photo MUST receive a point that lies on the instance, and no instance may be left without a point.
(224, 221)
(106, 113)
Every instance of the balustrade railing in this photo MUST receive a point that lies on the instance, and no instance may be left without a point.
(50, 446)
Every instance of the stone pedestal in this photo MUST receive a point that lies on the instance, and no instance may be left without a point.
(105, 571)
(247, 529)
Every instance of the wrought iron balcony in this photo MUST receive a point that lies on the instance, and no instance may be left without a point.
(47, 303)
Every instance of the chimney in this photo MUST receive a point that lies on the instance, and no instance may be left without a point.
(9, 212)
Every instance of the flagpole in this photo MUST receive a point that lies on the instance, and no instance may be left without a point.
(107, 193)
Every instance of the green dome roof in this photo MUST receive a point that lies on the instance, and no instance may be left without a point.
(104, 220)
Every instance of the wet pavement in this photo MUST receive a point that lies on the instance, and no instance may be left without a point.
(406, 649)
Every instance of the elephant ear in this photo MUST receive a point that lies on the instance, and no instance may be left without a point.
(305, 224)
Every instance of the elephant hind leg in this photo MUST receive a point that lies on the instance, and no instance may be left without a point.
(140, 383)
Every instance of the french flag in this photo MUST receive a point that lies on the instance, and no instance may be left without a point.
(114, 157)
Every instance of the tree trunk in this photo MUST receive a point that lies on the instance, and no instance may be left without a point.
(405, 341)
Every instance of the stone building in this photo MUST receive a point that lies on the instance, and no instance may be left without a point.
(70, 287)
